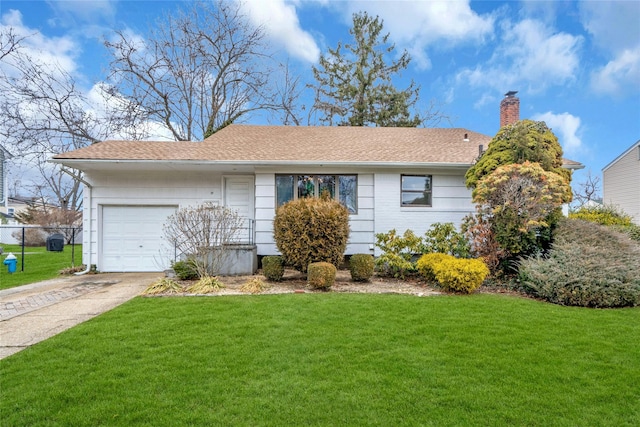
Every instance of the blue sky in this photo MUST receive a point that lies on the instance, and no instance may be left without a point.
(576, 65)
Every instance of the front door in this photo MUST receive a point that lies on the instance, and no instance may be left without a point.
(239, 196)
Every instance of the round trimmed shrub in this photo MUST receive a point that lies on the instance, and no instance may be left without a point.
(186, 270)
(272, 267)
(321, 275)
(311, 230)
(361, 267)
(460, 275)
(427, 261)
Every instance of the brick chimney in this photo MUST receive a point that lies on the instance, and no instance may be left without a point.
(509, 109)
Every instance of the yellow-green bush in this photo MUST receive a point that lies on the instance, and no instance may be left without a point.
(603, 215)
(272, 268)
(398, 251)
(361, 267)
(321, 275)
(460, 275)
(427, 261)
(311, 230)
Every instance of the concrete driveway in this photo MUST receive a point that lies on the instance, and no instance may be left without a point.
(32, 313)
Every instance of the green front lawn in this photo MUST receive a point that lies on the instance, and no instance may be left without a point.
(332, 359)
(38, 264)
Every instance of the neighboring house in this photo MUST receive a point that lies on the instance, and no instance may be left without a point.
(15, 204)
(621, 182)
(389, 178)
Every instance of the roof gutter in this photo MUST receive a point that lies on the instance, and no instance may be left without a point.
(396, 164)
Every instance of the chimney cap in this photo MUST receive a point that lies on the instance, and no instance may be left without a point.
(510, 94)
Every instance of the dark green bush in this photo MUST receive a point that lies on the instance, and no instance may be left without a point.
(321, 275)
(185, 270)
(361, 267)
(589, 265)
(273, 268)
(311, 230)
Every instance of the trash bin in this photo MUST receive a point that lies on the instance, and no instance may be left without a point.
(55, 243)
(11, 262)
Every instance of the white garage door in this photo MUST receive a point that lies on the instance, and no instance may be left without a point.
(132, 238)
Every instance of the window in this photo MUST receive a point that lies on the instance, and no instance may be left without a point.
(416, 190)
(340, 187)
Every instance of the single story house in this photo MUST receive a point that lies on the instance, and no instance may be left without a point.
(621, 182)
(389, 178)
(402, 178)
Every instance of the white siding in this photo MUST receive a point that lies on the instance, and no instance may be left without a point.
(621, 183)
(362, 223)
(142, 189)
(451, 202)
(379, 207)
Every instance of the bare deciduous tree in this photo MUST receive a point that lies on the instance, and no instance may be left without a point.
(9, 42)
(199, 70)
(588, 191)
(288, 91)
(203, 234)
(43, 112)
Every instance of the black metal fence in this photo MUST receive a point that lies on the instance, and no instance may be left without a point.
(28, 236)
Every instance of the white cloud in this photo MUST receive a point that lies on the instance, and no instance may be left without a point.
(69, 13)
(620, 75)
(419, 25)
(615, 29)
(281, 24)
(530, 54)
(428, 22)
(566, 127)
(614, 25)
(61, 51)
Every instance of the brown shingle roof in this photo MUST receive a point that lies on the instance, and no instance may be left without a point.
(255, 144)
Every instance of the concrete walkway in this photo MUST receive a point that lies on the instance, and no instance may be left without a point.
(32, 313)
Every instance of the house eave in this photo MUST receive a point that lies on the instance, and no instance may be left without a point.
(573, 166)
(101, 164)
(617, 159)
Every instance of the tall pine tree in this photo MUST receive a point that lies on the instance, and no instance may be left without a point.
(354, 81)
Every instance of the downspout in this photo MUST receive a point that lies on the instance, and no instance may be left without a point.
(90, 202)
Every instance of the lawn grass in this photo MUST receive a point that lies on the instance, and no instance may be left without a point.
(332, 359)
(39, 264)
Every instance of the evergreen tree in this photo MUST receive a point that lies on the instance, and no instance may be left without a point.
(354, 81)
(522, 141)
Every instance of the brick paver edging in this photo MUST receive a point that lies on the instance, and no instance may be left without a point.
(12, 308)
